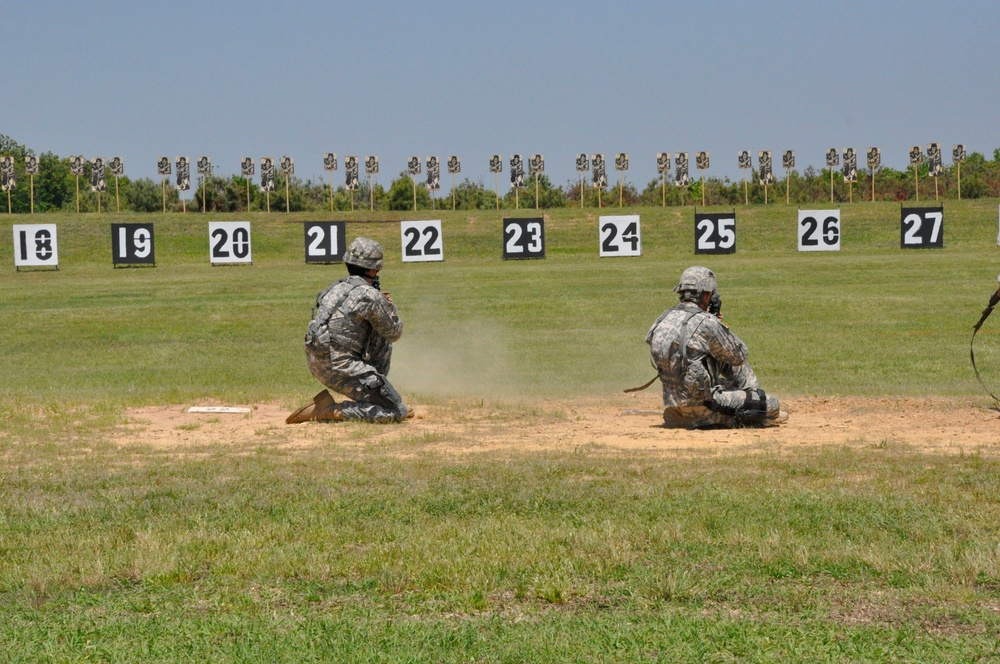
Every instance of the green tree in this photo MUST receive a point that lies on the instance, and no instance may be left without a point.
(400, 195)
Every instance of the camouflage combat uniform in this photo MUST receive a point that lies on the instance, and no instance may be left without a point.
(349, 346)
(701, 361)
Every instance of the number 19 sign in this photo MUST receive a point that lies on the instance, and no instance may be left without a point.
(421, 241)
(229, 242)
(619, 235)
(132, 244)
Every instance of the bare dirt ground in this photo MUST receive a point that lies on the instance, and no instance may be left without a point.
(617, 423)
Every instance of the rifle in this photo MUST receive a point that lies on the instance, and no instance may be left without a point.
(994, 299)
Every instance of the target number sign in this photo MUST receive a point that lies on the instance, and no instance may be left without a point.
(715, 233)
(325, 241)
(523, 238)
(819, 230)
(132, 244)
(619, 235)
(35, 245)
(422, 241)
(229, 242)
(921, 228)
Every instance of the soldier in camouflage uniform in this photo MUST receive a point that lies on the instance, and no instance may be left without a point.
(349, 344)
(707, 381)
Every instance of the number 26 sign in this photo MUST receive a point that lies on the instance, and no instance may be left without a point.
(819, 230)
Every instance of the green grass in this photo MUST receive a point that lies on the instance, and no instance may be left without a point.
(396, 552)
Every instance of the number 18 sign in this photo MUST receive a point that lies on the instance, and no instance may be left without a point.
(422, 241)
(619, 235)
(35, 245)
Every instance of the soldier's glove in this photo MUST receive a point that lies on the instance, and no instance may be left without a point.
(715, 304)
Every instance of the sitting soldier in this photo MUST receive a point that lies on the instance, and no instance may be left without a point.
(707, 381)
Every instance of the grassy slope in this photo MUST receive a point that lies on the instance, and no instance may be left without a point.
(870, 319)
(395, 553)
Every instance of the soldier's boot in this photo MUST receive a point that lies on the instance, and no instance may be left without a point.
(321, 408)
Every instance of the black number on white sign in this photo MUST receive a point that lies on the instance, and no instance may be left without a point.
(35, 245)
(921, 228)
(715, 233)
(819, 230)
(523, 238)
(422, 241)
(325, 241)
(132, 244)
(229, 242)
(619, 236)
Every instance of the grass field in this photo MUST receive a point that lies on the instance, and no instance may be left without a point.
(400, 552)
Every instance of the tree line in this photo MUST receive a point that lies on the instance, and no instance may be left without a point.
(56, 189)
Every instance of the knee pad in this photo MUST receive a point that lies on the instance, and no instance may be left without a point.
(752, 411)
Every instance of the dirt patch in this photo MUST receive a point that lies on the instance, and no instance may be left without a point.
(631, 422)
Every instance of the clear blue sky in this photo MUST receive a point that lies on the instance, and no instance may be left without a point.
(228, 79)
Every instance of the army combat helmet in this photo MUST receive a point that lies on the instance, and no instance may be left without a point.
(364, 252)
(696, 280)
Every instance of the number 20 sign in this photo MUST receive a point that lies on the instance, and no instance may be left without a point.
(229, 242)
(819, 230)
(619, 235)
(422, 241)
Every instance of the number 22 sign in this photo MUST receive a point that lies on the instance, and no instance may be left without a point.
(421, 241)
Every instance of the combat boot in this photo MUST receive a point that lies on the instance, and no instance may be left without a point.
(321, 408)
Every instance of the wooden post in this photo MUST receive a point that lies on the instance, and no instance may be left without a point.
(916, 182)
(452, 192)
(414, 194)
(248, 194)
(31, 181)
(765, 193)
(287, 204)
(850, 192)
(371, 194)
(496, 187)
(831, 184)
(788, 180)
(663, 189)
(98, 201)
(331, 191)
(9, 210)
(163, 190)
(118, 207)
(204, 188)
(703, 189)
(959, 165)
(581, 191)
(873, 185)
(77, 194)
(746, 189)
(269, 201)
(935, 187)
(536, 191)
(517, 201)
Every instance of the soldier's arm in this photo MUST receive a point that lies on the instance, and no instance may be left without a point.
(382, 315)
(724, 345)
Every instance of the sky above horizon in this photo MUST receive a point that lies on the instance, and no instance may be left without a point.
(394, 79)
